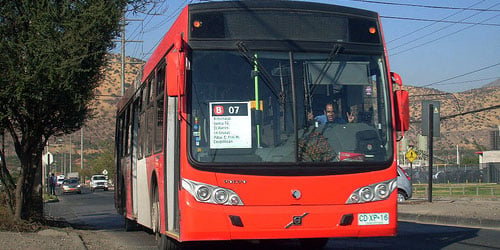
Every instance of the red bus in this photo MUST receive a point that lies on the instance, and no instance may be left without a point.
(262, 120)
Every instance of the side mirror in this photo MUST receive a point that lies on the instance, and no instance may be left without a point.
(402, 110)
(176, 68)
(396, 79)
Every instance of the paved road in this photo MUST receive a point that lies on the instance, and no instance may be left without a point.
(94, 216)
(96, 221)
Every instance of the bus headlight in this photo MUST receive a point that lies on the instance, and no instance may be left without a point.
(374, 192)
(234, 200)
(366, 194)
(211, 194)
(220, 196)
(203, 193)
(382, 190)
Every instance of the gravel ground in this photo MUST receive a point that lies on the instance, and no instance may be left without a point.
(51, 239)
(485, 209)
(462, 211)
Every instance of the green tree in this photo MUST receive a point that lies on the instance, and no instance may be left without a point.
(52, 53)
(104, 161)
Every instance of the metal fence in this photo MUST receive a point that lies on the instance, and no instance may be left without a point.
(456, 174)
(492, 172)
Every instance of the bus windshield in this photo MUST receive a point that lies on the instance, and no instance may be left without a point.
(324, 109)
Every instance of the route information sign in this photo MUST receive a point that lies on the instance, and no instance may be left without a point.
(230, 125)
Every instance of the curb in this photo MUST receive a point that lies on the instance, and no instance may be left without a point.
(450, 220)
(78, 240)
(70, 234)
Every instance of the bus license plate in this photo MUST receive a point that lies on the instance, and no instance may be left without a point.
(373, 219)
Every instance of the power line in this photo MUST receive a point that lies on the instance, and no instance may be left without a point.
(424, 27)
(439, 38)
(438, 21)
(468, 73)
(470, 112)
(477, 80)
(173, 15)
(424, 6)
(451, 83)
(462, 113)
(426, 95)
(446, 35)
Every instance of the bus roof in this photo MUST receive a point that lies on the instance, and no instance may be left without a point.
(270, 4)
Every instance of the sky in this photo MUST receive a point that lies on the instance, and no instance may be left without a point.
(450, 45)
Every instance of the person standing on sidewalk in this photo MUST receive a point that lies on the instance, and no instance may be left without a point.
(52, 183)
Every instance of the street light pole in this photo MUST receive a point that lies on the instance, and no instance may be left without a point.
(70, 151)
(81, 150)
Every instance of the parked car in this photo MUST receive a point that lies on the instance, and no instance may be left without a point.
(98, 182)
(71, 186)
(60, 180)
(405, 188)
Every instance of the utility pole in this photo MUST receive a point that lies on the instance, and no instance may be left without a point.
(430, 140)
(70, 151)
(81, 149)
(122, 76)
(123, 41)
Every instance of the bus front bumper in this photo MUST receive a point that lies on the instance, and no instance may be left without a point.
(214, 222)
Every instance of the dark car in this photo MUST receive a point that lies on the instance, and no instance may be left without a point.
(71, 186)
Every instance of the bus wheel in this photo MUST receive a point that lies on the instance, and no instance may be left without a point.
(314, 243)
(167, 243)
(164, 242)
(130, 225)
(155, 220)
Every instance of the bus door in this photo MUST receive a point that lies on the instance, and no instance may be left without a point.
(135, 136)
(172, 168)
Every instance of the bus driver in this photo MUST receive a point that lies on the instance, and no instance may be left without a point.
(329, 116)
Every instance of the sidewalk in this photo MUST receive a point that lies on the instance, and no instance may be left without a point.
(57, 238)
(452, 211)
(448, 211)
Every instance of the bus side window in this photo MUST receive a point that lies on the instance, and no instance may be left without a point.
(140, 125)
(159, 98)
(149, 118)
(120, 135)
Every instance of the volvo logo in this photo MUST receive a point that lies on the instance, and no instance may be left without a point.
(296, 221)
(235, 181)
(296, 194)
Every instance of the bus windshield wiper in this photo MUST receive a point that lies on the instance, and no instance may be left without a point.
(252, 60)
(328, 63)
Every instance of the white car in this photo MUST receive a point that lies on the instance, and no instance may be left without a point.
(98, 182)
(60, 179)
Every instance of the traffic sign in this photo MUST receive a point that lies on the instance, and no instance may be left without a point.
(105, 172)
(411, 155)
(48, 157)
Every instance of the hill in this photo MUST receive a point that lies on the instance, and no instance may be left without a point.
(461, 122)
(495, 83)
(460, 125)
(102, 127)
(471, 131)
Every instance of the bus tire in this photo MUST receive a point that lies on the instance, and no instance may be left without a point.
(163, 242)
(130, 225)
(313, 243)
(155, 218)
(167, 243)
